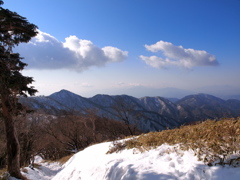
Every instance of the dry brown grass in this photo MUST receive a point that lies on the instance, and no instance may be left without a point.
(24, 170)
(214, 142)
(3, 174)
(36, 165)
(63, 160)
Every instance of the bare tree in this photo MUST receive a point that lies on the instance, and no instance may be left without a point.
(30, 134)
(126, 111)
(71, 131)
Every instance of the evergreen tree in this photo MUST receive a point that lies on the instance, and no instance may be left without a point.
(14, 29)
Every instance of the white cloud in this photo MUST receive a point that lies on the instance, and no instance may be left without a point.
(114, 53)
(177, 56)
(46, 52)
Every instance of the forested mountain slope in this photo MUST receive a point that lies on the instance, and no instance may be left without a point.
(147, 113)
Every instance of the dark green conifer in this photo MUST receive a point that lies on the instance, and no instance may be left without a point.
(14, 29)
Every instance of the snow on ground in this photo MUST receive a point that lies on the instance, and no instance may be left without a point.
(162, 163)
(46, 172)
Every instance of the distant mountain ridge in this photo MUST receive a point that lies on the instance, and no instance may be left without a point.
(203, 106)
(153, 113)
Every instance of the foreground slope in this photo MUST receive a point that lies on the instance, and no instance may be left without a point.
(206, 151)
(162, 163)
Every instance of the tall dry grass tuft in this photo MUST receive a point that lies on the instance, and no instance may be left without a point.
(213, 141)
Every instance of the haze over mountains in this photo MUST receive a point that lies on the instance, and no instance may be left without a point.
(223, 92)
(147, 113)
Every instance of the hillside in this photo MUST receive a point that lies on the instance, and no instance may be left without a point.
(152, 156)
(148, 113)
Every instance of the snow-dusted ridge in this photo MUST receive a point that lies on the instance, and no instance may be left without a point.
(157, 113)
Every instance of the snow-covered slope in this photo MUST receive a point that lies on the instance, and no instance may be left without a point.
(160, 105)
(163, 163)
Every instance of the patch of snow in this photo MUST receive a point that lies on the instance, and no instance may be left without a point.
(46, 171)
(156, 102)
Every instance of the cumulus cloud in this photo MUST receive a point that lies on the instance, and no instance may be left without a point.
(177, 56)
(46, 52)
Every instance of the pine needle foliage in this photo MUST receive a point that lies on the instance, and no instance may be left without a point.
(213, 141)
(14, 29)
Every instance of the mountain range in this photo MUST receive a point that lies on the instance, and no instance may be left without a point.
(147, 113)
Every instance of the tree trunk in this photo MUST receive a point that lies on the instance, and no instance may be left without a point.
(13, 147)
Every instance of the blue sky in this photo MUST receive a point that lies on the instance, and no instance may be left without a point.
(135, 47)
